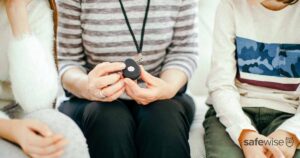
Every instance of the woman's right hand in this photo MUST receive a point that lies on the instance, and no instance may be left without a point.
(36, 139)
(104, 83)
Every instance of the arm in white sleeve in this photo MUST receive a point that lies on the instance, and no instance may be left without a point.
(32, 67)
(292, 125)
(221, 81)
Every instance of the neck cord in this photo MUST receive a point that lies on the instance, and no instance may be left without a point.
(139, 48)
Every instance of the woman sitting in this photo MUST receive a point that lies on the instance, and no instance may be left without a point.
(122, 118)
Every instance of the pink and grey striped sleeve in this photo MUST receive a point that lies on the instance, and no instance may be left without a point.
(70, 48)
(183, 54)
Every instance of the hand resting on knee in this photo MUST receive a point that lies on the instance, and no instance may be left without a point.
(34, 137)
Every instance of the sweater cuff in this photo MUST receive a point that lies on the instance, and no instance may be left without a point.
(3, 115)
(180, 67)
(64, 67)
(292, 126)
(32, 73)
(236, 130)
(290, 129)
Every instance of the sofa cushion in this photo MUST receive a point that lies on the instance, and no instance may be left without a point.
(197, 130)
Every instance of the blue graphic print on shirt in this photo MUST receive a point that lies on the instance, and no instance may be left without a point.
(279, 60)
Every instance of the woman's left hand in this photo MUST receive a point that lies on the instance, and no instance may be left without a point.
(157, 89)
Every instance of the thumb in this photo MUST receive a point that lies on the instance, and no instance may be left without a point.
(147, 77)
(131, 84)
(41, 129)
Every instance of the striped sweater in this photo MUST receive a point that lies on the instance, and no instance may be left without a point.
(94, 31)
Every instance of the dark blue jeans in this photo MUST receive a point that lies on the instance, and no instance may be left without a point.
(125, 129)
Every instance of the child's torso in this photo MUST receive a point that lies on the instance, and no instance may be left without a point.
(268, 54)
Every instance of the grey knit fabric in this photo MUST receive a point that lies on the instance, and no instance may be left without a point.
(94, 31)
(59, 123)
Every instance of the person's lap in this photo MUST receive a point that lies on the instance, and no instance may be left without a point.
(108, 128)
(57, 122)
(166, 122)
(218, 143)
(10, 150)
(60, 123)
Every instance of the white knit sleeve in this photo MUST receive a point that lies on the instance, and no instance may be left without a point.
(32, 67)
(221, 81)
(292, 125)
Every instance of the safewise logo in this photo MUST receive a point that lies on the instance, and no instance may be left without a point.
(289, 142)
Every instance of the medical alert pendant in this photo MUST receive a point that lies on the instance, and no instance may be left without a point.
(132, 70)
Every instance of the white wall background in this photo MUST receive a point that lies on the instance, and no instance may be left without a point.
(207, 11)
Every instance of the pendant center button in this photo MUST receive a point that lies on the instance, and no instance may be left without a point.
(131, 69)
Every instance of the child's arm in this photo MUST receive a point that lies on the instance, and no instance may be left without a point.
(292, 126)
(30, 54)
(221, 81)
(288, 132)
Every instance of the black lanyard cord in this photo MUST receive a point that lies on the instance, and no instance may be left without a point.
(139, 48)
